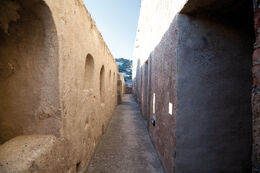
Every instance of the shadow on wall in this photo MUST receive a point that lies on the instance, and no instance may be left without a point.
(136, 82)
(89, 72)
(28, 70)
(55, 105)
(102, 83)
(30, 115)
(197, 82)
(120, 87)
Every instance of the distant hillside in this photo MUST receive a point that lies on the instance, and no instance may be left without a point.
(125, 67)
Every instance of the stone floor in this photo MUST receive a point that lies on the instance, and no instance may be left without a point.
(126, 146)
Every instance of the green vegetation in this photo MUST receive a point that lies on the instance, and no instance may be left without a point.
(125, 67)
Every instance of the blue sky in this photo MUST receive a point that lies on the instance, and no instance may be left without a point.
(117, 21)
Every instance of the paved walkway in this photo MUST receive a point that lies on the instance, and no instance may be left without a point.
(126, 146)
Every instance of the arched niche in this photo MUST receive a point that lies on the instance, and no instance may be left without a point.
(29, 82)
(114, 81)
(102, 84)
(89, 72)
(109, 78)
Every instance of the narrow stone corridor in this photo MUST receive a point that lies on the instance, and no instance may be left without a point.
(126, 146)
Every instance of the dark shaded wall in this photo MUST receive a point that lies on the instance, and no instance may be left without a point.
(120, 87)
(199, 87)
(29, 101)
(144, 91)
(137, 83)
(214, 101)
(256, 91)
(163, 81)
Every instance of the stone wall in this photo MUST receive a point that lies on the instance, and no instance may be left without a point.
(29, 80)
(120, 87)
(58, 86)
(256, 92)
(196, 93)
(214, 97)
(128, 89)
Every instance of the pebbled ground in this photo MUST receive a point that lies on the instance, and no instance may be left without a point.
(126, 146)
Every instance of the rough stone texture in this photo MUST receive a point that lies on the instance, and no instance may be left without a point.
(128, 89)
(214, 6)
(256, 92)
(29, 80)
(214, 118)
(162, 90)
(256, 131)
(120, 87)
(154, 72)
(35, 153)
(8, 13)
(130, 150)
(199, 83)
(44, 46)
(144, 91)
(155, 19)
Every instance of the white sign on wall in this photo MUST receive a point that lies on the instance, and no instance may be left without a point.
(170, 108)
(153, 103)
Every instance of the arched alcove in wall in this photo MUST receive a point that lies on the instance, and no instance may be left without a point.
(29, 63)
(114, 81)
(89, 72)
(102, 83)
(110, 79)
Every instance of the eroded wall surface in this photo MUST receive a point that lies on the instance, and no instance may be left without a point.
(86, 111)
(214, 119)
(198, 83)
(163, 98)
(58, 80)
(155, 19)
(29, 64)
(120, 87)
(256, 92)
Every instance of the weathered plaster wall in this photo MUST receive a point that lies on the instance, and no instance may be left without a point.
(198, 64)
(256, 92)
(155, 74)
(214, 116)
(29, 81)
(144, 91)
(86, 113)
(155, 19)
(35, 153)
(52, 61)
(128, 89)
(162, 91)
(120, 87)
